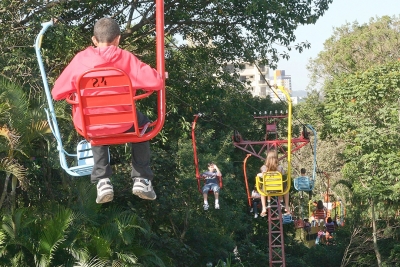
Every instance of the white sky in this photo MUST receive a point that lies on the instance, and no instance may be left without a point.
(339, 13)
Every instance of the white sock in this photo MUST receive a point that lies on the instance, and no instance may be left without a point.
(216, 201)
(206, 202)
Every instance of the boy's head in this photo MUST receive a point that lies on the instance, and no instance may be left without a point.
(303, 171)
(211, 167)
(106, 30)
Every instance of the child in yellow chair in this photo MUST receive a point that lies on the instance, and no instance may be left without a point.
(271, 164)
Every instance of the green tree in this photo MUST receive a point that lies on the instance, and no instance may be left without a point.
(21, 128)
(354, 47)
(250, 30)
(198, 82)
(363, 111)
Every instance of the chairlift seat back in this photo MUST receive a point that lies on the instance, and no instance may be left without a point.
(84, 153)
(271, 183)
(106, 104)
(84, 158)
(287, 218)
(303, 183)
(299, 224)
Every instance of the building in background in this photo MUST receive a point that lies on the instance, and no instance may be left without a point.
(258, 78)
(280, 79)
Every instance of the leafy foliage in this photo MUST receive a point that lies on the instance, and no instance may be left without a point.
(354, 47)
(56, 222)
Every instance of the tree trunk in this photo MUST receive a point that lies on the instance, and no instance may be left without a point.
(4, 193)
(14, 183)
(376, 249)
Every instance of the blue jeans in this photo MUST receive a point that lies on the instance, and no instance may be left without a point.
(256, 201)
(208, 187)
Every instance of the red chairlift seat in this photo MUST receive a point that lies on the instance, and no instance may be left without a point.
(99, 119)
(299, 223)
(106, 100)
(196, 161)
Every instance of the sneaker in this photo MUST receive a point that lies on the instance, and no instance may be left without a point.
(256, 215)
(216, 206)
(205, 206)
(105, 192)
(143, 189)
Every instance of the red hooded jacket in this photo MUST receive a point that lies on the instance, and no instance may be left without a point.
(142, 76)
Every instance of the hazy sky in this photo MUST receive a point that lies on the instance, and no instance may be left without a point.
(339, 13)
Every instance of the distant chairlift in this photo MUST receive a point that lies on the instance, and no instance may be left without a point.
(304, 183)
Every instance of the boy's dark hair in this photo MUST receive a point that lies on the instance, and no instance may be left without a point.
(210, 163)
(106, 30)
(303, 171)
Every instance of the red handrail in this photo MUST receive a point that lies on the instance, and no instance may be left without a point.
(196, 160)
(160, 68)
(246, 181)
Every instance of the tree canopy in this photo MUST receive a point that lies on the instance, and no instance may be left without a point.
(354, 47)
(357, 101)
(55, 221)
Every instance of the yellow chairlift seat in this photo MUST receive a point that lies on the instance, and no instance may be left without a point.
(271, 184)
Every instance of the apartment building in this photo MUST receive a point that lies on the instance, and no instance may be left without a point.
(280, 79)
(257, 76)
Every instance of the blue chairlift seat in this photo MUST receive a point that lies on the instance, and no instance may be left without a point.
(303, 183)
(84, 156)
(287, 219)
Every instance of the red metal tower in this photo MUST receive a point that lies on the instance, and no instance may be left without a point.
(257, 148)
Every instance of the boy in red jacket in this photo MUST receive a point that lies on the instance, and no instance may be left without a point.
(106, 53)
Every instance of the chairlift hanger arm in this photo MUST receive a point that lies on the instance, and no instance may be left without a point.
(246, 180)
(196, 160)
(195, 157)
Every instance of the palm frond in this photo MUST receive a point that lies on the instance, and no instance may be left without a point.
(94, 262)
(127, 223)
(12, 166)
(2, 241)
(11, 136)
(17, 100)
(54, 234)
(128, 259)
(80, 254)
